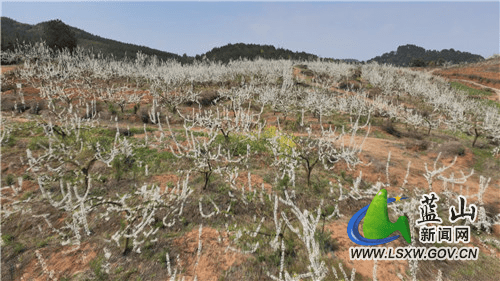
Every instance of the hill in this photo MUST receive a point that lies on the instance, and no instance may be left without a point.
(13, 31)
(411, 55)
(252, 51)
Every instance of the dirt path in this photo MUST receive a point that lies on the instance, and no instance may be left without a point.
(497, 91)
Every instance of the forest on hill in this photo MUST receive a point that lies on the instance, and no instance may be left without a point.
(411, 55)
(13, 31)
(252, 51)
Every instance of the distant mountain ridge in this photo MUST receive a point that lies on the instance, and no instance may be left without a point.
(408, 55)
(412, 55)
(12, 30)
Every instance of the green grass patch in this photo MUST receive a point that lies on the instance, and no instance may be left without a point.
(26, 195)
(10, 141)
(237, 144)
(484, 160)
(97, 268)
(138, 131)
(19, 248)
(470, 91)
(7, 239)
(37, 142)
(27, 129)
(44, 242)
(157, 161)
(10, 179)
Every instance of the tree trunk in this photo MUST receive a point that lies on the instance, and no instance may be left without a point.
(207, 179)
(309, 170)
(477, 134)
(127, 240)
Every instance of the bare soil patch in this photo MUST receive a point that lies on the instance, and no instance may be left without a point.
(214, 259)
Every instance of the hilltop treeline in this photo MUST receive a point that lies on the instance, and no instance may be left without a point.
(252, 51)
(13, 32)
(411, 55)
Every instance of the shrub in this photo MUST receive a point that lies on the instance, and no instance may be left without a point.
(208, 98)
(452, 148)
(326, 242)
(350, 85)
(37, 106)
(417, 145)
(7, 239)
(9, 180)
(144, 115)
(112, 109)
(121, 165)
(136, 107)
(126, 132)
(388, 127)
(19, 248)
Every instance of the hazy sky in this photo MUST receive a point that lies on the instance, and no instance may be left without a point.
(360, 30)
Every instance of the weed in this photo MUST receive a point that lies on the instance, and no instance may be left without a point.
(43, 243)
(237, 144)
(7, 239)
(9, 180)
(284, 183)
(326, 243)
(119, 269)
(26, 195)
(38, 142)
(136, 131)
(112, 109)
(19, 248)
(97, 268)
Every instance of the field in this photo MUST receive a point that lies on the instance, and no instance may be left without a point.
(148, 170)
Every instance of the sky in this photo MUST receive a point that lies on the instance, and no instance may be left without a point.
(341, 30)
